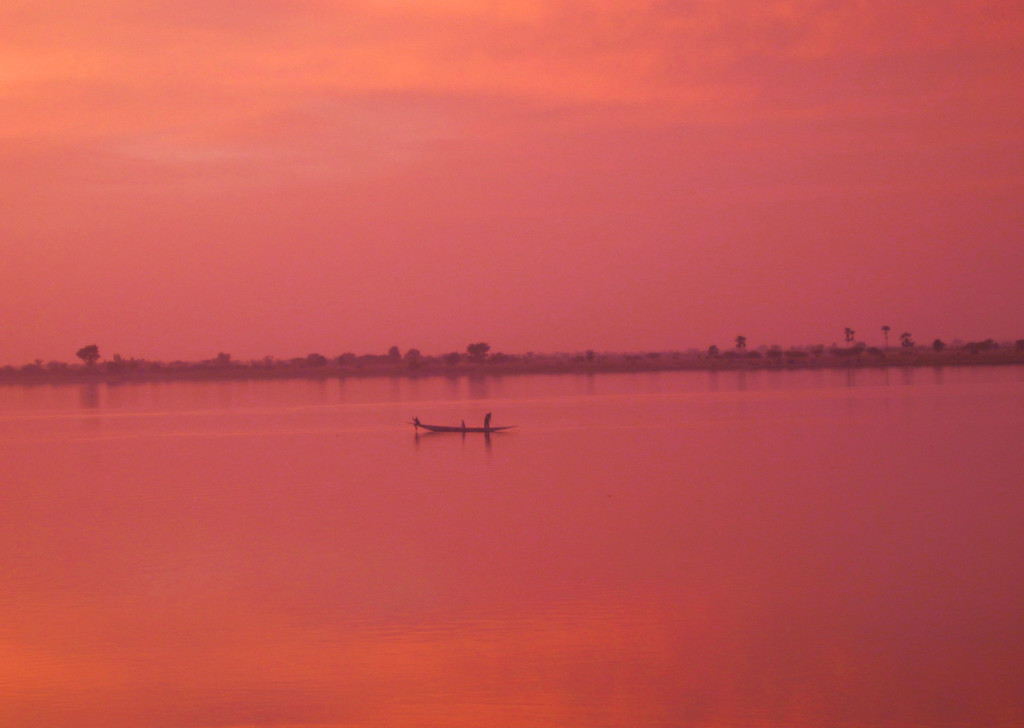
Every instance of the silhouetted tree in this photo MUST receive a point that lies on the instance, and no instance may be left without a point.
(413, 358)
(453, 358)
(885, 331)
(478, 352)
(848, 333)
(987, 345)
(89, 354)
(741, 342)
(713, 351)
(938, 345)
(316, 360)
(906, 341)
(394, 354)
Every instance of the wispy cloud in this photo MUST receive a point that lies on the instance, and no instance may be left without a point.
(78, 68)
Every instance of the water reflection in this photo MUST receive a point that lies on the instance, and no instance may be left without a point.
(485, 437)
(89, 404)
(639, 552)
(479, 387)
(454, 386)
(89, 395)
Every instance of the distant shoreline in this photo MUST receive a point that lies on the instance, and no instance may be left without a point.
(129, 371)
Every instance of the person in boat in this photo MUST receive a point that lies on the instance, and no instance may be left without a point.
(463, 424)
(487, 421)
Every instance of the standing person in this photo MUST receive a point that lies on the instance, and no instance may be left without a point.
(487, 421)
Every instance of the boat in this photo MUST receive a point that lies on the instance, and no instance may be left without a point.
(487, 429)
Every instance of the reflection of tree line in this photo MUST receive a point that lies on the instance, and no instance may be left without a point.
(89, 395)
(478, 358)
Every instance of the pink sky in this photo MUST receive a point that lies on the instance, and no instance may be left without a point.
(180, 178)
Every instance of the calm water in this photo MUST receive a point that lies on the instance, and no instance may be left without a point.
(685, 549)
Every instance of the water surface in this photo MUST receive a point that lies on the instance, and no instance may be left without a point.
(692, 548)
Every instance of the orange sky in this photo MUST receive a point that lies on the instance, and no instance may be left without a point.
(180, 178)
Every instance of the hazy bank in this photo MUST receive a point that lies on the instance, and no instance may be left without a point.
(315, 366)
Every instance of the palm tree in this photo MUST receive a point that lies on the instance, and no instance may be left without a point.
(849, 335)
(741, 342)
(905, 340)
(886, 330)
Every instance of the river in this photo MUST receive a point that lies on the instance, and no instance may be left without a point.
(771, 549)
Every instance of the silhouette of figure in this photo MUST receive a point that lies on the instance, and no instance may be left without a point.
(487, 421)
(463, 424)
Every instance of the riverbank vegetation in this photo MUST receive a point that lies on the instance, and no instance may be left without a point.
(478, 359)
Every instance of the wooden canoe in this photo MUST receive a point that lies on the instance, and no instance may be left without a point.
(447, 428)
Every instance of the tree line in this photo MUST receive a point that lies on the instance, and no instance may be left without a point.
(478, 356)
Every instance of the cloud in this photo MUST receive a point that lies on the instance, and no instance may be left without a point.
(76, 69)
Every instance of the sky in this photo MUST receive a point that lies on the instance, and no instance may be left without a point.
(182, 178)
